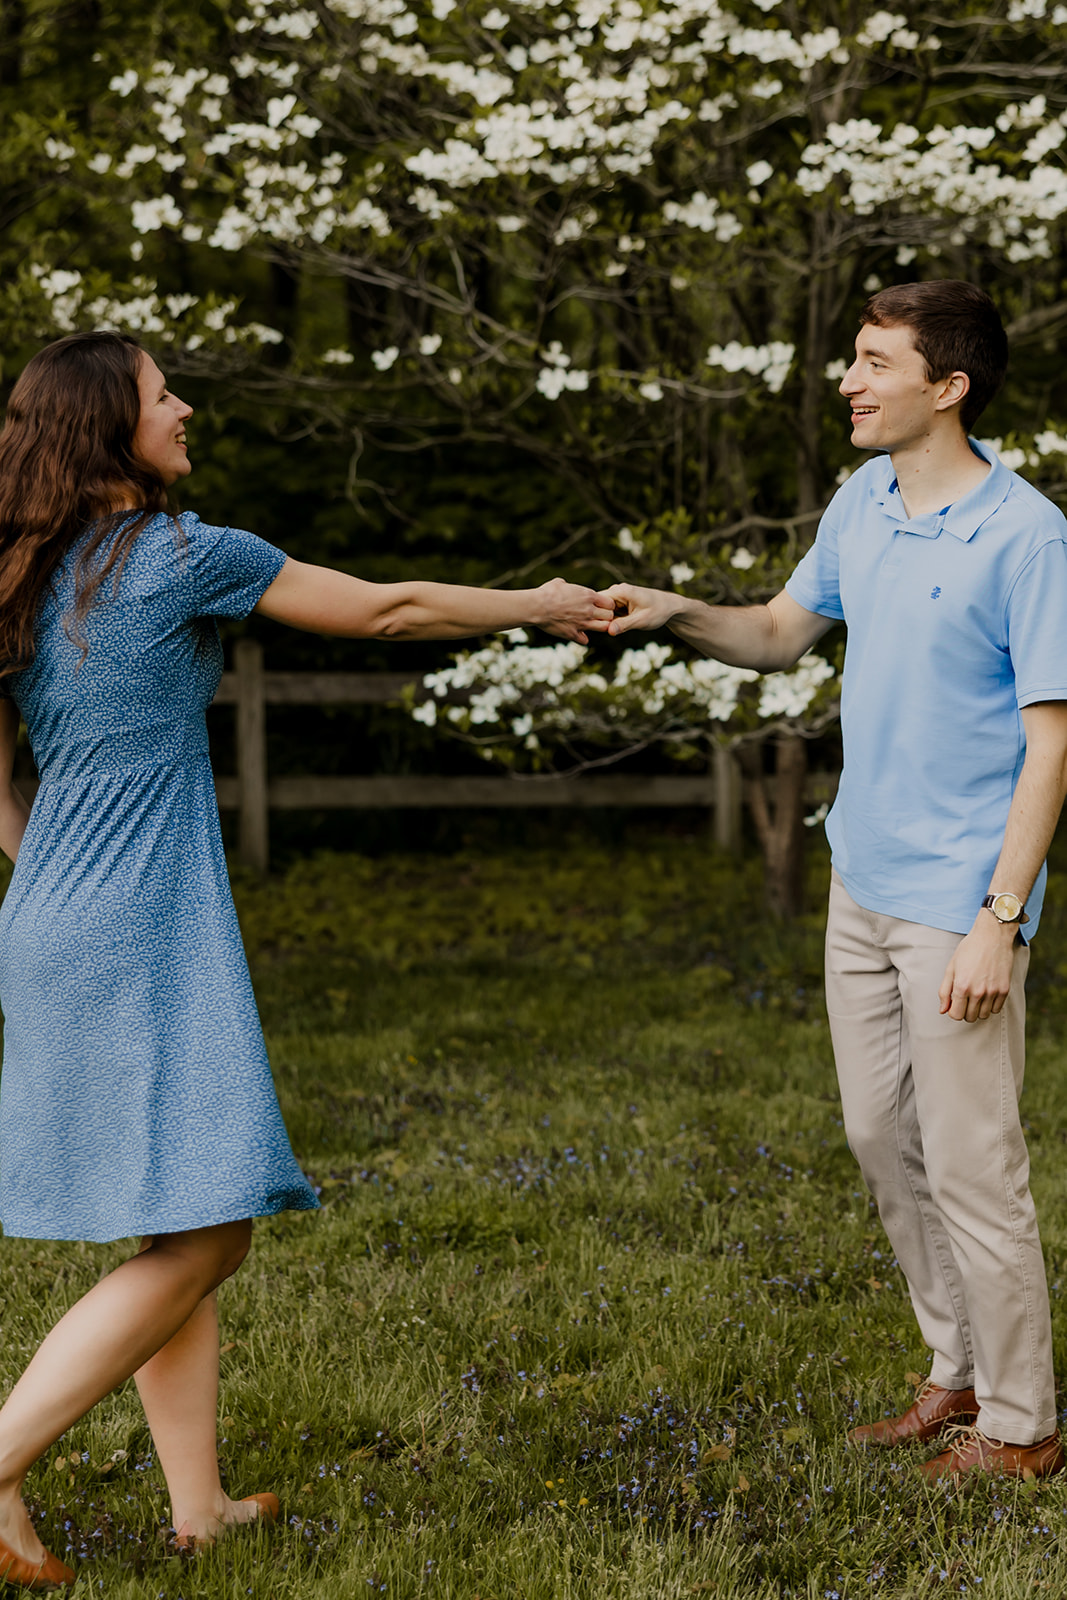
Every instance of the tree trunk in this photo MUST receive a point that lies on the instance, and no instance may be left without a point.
(780, 824)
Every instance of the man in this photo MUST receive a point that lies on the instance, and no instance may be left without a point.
(951, 574)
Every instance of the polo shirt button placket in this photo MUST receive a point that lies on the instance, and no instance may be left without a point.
(892, 555)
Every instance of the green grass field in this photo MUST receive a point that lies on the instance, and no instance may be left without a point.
(595, 1290)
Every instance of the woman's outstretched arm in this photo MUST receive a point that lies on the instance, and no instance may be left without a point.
(14, 812)
(324, 601)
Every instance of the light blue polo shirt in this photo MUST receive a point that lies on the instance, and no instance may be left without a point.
(956, 620)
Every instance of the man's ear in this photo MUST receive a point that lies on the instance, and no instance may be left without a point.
(952, 390)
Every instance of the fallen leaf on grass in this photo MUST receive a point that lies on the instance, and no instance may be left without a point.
(225, 1349)
(742, 1483)
(718, 1452)
(791, 1435)
(914, 1378)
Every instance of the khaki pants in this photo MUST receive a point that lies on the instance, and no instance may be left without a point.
(931, 1113)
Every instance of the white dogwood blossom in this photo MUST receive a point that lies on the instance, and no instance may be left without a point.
(705, 214)
(589, 95)
(771, 362)
(788, 694)
(554, 381)
(511, 685)
(148, 215)
(643, 205)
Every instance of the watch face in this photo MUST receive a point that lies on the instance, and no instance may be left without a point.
(1006, 907)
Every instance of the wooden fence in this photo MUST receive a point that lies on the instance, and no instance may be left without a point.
(253, 794)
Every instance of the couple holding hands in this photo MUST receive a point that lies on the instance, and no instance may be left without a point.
(137, 1099)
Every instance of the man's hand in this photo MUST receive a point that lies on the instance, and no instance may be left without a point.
(646, 609)
(978, 978)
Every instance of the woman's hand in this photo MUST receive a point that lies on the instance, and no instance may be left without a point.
(572, 611)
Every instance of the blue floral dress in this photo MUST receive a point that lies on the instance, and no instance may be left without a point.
(136, 1096)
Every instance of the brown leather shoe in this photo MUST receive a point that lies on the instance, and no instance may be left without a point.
(38, 1575)
(970, 1451)
(928, 1415)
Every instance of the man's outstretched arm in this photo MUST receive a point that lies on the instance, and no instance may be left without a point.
(978, 977)
(767, 638)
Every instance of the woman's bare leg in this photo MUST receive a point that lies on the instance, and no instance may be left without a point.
(179, 1390)
(108, 1335)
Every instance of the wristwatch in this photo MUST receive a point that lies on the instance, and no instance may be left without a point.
(1006, 907)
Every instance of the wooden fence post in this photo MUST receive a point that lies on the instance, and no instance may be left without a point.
(728, 790)
(253, 840)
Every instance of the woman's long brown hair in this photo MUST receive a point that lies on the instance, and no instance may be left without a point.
(66, 463)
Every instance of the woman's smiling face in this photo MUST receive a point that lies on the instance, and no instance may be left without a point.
(159, 440)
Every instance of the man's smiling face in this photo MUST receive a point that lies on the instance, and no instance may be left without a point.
(894, 404)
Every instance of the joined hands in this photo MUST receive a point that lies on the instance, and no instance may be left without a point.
(571, 611)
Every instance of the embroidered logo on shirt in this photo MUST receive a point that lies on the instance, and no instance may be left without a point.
(935, 592)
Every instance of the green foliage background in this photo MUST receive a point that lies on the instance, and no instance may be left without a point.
(483, 502)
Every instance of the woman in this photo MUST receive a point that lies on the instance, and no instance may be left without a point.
(137, 1098)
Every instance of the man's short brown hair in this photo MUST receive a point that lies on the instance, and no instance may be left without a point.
(956, 328)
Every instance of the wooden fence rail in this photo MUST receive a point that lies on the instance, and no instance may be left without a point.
(253, 794)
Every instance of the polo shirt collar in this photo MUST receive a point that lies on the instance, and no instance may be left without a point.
(962, 519)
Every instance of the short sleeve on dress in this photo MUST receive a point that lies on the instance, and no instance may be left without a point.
(225, 571)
